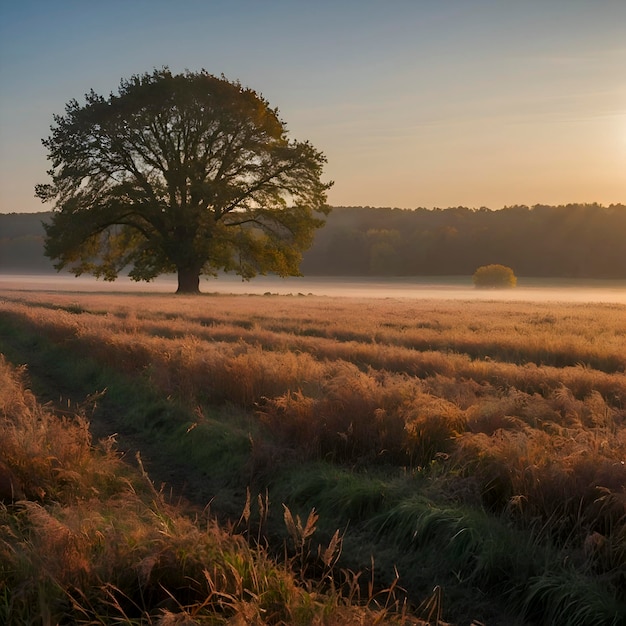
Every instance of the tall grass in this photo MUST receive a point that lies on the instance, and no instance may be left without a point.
(85, 539)
(513, 411)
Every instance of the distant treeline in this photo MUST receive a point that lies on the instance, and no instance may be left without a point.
(577, 240)
(21, 243)
(572, 241)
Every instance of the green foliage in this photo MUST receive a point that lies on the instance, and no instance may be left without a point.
(188, 173)
(568, 598)
(494, 276)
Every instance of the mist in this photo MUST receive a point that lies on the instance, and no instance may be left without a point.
(439, 288)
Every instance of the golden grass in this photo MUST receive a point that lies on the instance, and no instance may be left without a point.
(45, 456)
(493, 365)
(83, 539)
(521, 405)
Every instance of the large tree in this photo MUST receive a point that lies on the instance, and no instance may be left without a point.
(186, 173)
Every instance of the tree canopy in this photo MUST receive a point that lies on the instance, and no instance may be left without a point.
(187, 173)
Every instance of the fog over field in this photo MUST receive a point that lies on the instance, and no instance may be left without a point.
(447, 288)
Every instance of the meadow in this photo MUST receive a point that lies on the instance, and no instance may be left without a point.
(459, 461)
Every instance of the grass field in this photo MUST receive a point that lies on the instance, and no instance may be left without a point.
(468, 456)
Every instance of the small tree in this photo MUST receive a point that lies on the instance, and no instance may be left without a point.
(183, 173)
(490, 276)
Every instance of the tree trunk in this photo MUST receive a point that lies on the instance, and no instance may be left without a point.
(188, 280)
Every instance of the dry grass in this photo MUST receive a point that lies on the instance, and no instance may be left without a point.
(83, 539)
(46, 457)
(520, 407)
(381, 383)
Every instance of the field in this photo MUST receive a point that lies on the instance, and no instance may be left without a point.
(455, 461)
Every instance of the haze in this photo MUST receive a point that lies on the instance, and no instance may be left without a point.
(415, 103)
(419, 288)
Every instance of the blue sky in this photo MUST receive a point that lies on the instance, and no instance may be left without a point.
(415, 103)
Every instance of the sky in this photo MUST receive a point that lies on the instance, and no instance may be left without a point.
(415, 103)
